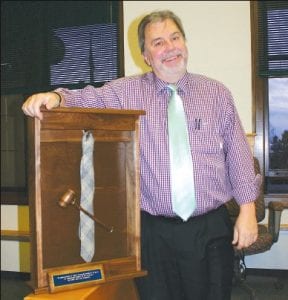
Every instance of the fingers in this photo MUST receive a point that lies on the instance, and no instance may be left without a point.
(235, 237)
(245, 228)
(31, 106)
(243, 240)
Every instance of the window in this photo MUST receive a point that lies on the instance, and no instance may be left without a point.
(87, 49)
(45, 45)
(269, 21)
(277, 162)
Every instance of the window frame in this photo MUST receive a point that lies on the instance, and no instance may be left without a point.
(260, 96)
(19, 196)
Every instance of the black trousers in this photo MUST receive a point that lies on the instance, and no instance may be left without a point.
(190, 260)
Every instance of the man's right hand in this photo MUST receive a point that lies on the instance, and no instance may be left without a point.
(31, 106)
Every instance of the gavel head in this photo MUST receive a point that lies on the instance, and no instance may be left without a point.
(67, 198)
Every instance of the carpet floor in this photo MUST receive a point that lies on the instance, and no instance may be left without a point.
(265, 288)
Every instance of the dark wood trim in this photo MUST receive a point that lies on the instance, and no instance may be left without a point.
(267, 272)
(259, 91)
(253, 16)
(121, 57)
(276, 198)
(25, 276)
(14, 198)
(15, 235)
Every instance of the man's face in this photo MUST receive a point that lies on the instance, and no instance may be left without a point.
(165, 50)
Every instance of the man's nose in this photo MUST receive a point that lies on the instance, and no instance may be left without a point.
(169, 45)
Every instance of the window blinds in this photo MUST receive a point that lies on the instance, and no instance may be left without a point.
(47, 44)
(273, 38)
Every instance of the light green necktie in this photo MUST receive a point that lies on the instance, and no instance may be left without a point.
(181, 165)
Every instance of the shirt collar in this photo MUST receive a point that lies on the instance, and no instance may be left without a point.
(161, 85)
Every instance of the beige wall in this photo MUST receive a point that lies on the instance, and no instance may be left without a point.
(218, 38)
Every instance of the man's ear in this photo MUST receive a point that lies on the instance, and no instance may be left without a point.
(146, 59)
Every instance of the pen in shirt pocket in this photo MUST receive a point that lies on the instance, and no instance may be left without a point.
(197, 123)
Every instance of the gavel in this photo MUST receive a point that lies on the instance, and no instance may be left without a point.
(69, 198)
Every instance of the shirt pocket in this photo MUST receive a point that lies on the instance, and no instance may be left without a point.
(207, 143)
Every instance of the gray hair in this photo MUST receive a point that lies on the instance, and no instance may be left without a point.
(157, 16)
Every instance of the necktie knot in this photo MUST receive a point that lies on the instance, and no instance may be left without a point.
(173, 88)
(87, 142)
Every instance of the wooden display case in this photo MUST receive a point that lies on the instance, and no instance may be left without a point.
(54, 167)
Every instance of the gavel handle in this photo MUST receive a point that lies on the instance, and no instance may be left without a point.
(110, 229)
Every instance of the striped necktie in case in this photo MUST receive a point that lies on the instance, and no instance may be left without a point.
(87, 225)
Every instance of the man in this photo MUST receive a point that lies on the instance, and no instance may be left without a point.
(185, 259)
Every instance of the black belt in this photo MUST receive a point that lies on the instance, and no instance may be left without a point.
(177, 219)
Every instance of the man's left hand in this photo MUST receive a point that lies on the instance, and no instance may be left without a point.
(246, 228)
